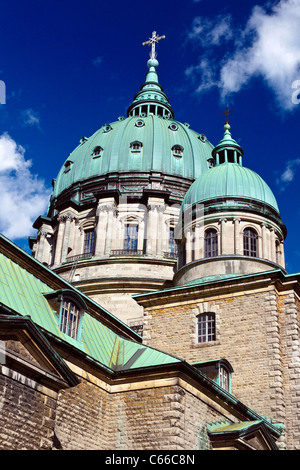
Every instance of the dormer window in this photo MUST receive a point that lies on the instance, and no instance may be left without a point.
(97, 152)
(136, 146)
(69, 308)
(68, 165)
(177, 151)
(69, 319)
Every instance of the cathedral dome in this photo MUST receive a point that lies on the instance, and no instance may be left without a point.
(230, 180)
(140, 145)
(147, 141)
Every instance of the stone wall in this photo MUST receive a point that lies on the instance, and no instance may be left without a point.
(257, 331)
(27, 413)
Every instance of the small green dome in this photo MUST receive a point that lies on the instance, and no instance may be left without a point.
(229, 180)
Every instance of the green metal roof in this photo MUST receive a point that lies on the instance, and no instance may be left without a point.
(150, 121)
(229, 180)
(24, 294)
(157, 139)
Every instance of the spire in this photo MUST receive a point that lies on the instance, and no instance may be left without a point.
(151, 100)
(227, 150)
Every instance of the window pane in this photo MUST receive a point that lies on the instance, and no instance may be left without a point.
(172, 242)
(69, 319)
(131, 237)
(250, 243)
(89, 241)
(211, 243)
(206, 328)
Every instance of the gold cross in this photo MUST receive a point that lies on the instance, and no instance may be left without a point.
(227, 112)
(152, 41)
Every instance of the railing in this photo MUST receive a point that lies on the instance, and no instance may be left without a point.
(126, 252)
(170, 255)
(79, 257)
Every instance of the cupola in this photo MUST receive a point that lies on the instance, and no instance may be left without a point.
(230, 221)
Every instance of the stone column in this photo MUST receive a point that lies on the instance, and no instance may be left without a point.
(68, 219)
(237, 241)
(223, 236)
(41, 245)
(59, 240)
(160, 230)
(188, 246)
(111, 211)
(263, 241)
(101, 229)
(199, 241)
(272, 245)
(151, 230)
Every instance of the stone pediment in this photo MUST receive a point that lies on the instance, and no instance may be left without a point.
(25, 351)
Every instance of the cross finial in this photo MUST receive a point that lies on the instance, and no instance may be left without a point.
(152, 41)
(227, 112)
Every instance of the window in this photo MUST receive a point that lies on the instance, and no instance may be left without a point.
(177, 151)
(211, 243)
(131, 237)
(97, 152)
(69, 319)
(89, 242)
(250, 242)
(206, 327)
(224, 379)
(68, 165)
(136, 146)
(172, 242)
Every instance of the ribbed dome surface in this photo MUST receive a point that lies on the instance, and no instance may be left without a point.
(157, 137)
(229, 180)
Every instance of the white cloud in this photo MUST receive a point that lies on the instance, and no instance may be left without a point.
(97, 61)
(289, 173)
(268, 47)
(30, 118)
(211, 32)
(23, 195)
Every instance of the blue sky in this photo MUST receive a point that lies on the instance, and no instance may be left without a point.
(68, 67)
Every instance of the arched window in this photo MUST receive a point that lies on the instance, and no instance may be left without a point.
(211, 243)
(69, 319)
(250, 242)
(206, 327)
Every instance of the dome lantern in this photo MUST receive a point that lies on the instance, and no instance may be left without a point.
(227, 150)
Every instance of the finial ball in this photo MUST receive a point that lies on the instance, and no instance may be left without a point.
(152, 63)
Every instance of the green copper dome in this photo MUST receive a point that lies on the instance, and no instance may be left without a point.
(229, 180)
(147, 140)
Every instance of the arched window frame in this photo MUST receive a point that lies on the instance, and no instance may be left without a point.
(211, 242)
(250, 242)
